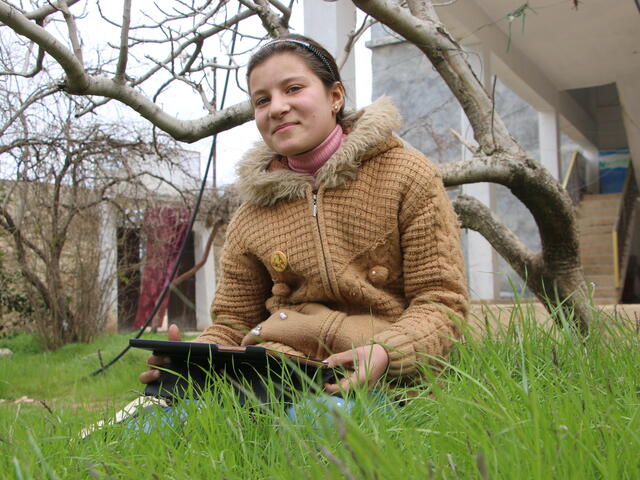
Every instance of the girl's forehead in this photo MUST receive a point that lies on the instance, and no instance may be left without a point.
(283, 63)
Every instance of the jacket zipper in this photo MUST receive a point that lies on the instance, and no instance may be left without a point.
(314, 213)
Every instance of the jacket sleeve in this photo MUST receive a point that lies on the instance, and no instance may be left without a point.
(243, 287)
(434, 278)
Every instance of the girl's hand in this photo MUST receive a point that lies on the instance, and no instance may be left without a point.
(152, 374)
(369, 363)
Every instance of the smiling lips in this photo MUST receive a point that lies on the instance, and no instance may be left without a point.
(283, 126)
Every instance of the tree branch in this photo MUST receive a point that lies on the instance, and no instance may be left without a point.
(39, 94)
(429, 35)
(270, 21)
(73, 30)
(80, 83)
(76, 76)
(352, 38)
(41, 13)
(475, 215)
(124, 42)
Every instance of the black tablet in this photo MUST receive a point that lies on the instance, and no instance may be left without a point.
(220, 353)
(254, 369)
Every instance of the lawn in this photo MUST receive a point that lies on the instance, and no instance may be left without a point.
(525, 403)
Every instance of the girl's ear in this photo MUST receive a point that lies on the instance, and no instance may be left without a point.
(337, 94)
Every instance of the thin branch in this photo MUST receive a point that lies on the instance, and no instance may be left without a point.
(270, 21)
(463, 141)
(353, 37)
(124, 42)
(475, 215)
(34, 97)
(76, 76)
(37, 68)
(214, 65)
(198, 36)
(445, 4)
(73, 30)
(41, 13)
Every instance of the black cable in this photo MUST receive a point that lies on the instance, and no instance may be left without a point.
(192, 220)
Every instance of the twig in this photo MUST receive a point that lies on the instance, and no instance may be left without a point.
(124, 42)
(44, 404)
(73, 29)
(461, 139)
(100, 359)
(452, 464)
(493, 110)
(445, 4)
(353, 37)
(337, 462)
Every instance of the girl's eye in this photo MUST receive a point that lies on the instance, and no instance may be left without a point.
(294, 88)
(261, 101)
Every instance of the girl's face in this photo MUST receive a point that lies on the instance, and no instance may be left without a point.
(294, 111)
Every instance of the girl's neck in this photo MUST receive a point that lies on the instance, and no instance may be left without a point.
(310, 162)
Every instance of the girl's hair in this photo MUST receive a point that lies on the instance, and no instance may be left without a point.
(319, 61)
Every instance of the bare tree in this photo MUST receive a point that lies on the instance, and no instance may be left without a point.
(57, 171)
(555, 272)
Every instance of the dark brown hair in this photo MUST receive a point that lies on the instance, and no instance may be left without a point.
(319, 61)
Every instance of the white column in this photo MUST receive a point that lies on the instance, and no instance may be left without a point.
(629, 95)
(329, 23)
(549, 141)
(205, 277)
(482, 261)
(108, 266)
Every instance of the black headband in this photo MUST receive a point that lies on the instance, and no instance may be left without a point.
(309, 47)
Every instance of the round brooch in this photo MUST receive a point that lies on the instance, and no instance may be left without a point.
(279, 261)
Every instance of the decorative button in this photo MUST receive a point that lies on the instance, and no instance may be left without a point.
(378, 275)
(283, 315)
(280, 289)
(256, 330)
(279, 261)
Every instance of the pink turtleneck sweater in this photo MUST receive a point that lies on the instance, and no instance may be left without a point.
(311, 161)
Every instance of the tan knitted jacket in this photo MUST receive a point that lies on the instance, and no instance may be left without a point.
(372, 256)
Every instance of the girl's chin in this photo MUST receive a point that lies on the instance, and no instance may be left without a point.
(291, 150)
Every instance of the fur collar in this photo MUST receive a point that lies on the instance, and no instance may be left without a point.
(264, 179)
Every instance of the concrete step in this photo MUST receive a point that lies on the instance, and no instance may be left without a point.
(597, 239)
(602, 281)
(601, 197)
(590, 268)
(587, 252)
(606, 225)
(610, 213)
(595, 256)
(595, 228)
(584, 212)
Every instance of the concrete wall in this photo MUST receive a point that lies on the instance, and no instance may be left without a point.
(429, 110)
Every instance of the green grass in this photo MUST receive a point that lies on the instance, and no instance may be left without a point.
(523, 404)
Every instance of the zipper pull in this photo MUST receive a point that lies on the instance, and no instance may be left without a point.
(314, 208)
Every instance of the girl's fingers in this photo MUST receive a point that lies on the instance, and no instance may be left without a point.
(149, 376)
(173, 333)
(343, 359)
(157, 361)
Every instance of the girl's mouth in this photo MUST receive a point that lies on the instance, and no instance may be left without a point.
(283, 126)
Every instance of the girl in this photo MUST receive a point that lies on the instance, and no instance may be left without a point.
(346, 246)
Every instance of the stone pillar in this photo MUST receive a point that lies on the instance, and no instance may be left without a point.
(629, 95)
(329, 23)
(549, 139)
(108, 266)
(482, 260)
(205, 277)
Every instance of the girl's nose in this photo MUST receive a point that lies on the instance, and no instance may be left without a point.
(279, 106)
